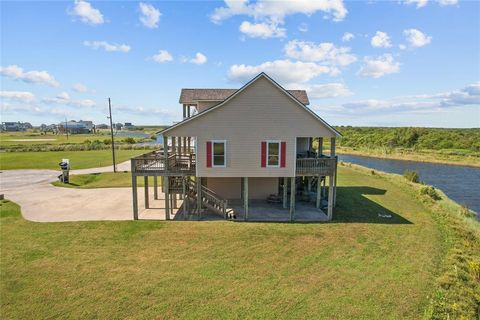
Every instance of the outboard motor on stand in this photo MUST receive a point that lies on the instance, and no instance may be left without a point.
(65, 166)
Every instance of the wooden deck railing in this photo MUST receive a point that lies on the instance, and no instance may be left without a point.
(155, 162)
(210, 199)
(316, 166)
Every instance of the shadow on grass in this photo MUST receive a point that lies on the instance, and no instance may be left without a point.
(354, 206)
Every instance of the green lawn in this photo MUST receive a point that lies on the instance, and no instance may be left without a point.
(359, 266)
(50, 159)
(102, 180)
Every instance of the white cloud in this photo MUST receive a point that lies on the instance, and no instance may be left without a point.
(381, 40)
(16, 73)
(200, 58)
(444, 3)
(284, 71)
(402, 46)
(110, 47)
(303, 27)
(325, 52)
(418, 3)
(22, 96)
(347, 36)
(278, 10)
(379, 66)
(162, 56)
(423, 3)
(423, 103)
(78, 87)
(149, 15)
(416, 38)
(87, 13)
(262, 30)
(269, 15)
(63, 98)
(327, 90)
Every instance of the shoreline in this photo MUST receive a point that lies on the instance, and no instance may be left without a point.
(406, 157)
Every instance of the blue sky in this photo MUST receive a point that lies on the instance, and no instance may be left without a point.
(375, 63)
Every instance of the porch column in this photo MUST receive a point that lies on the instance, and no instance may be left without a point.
(285, 192)
(292, 198)
(165, 149)
(184, 192)
(309, 184)
(166, 188)
(332, 147)
(245, 197)
(320, 146)
(319, 192)
(155, 187)
(330, 197)
(134, 194)
(199, 195)
(184, 111)
(147, 204)
(333, 155)
(174, 145)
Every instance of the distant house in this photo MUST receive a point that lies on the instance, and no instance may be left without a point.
(15, 126)
(118, 126)
(247, 154)
(76, 127)
(102, 126)
(128, 126)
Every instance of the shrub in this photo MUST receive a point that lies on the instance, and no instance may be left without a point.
(107, 141)
(129, 140)
(411, 176)
(431, 192)
(372, 172)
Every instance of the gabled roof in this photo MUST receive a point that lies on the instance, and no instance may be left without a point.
(220, 104)
(193, 95)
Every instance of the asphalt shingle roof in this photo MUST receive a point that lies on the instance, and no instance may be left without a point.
(192, 95)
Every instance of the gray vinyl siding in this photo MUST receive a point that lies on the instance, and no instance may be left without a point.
(259, 113)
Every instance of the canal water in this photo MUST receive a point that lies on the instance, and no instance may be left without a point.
(459, 183)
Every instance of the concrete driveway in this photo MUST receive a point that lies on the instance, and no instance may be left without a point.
(40, 201)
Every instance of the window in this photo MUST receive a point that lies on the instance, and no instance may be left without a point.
(218, 153)
(273, 153)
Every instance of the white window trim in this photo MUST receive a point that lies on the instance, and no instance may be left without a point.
(224, 153)
(279, 153)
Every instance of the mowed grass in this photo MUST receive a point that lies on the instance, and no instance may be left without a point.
(359, 266)
(51, 159)
(103, 180)
(10, 138)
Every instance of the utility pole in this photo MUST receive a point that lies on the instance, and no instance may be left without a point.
(111, 132)
(66, 127)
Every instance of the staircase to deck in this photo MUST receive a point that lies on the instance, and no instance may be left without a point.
(209, 199)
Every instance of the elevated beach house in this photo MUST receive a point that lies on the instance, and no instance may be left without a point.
(254, 153)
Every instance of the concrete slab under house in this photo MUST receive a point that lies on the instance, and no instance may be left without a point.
(242, 154)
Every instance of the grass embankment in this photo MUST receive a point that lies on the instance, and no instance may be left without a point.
(442, 145)
(103, 180)
(50, 159)
(360, 266)
(434, 156)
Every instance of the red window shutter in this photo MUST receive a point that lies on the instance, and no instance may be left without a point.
(209, 154)
(264, 154)
(283, 154)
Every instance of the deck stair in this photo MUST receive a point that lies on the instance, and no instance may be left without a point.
(210, 200)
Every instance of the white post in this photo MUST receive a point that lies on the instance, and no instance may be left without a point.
(330, 197)
(245, 197)
(292, 198)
